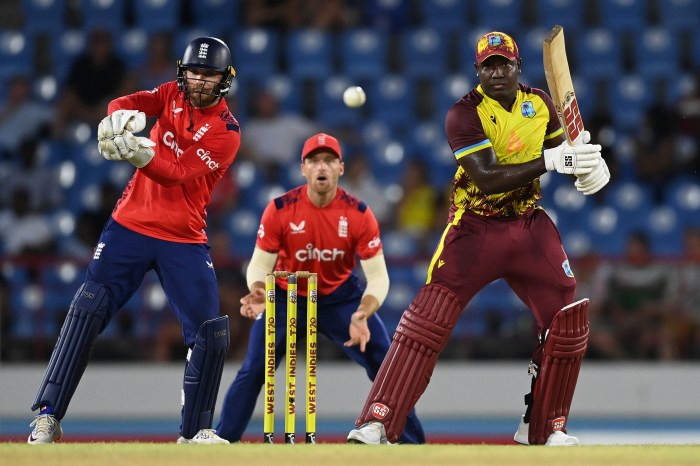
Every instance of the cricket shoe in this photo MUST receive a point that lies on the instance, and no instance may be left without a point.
(47, 429)
(556, 439)
(370, 433)
(204, 437)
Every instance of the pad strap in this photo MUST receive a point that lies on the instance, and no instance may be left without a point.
(422, 333)
(205, 364)
(555, 380)
(86, 319)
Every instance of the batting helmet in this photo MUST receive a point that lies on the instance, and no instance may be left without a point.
(207, 53)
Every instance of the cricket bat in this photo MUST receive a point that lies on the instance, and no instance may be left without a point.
(561, 88)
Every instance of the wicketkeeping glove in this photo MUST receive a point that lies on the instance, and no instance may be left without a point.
(120, 121)
(572, 160)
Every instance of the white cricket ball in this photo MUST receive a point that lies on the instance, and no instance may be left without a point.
(354, 96)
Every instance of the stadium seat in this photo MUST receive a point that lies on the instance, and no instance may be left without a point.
(386, 159)
(664, 226)
(607, 234)
(424, 53)
(157, 15)
(675, 15)
(286, 91)
(657, 53)
(363, 53)
(65, 49)
(44, 16)
(500, 15)
(623, 15)
(392, 99)
(450, 89)
(309, 53)
(530, 47)
(331, 112)
(132, 45)
(629, 97)
(255, 54)
(683, 194)
(243, 226)
(567, 13)
(598, 54)
(571, 206)
(217, 16)
(16, 54)
(632, 201)
(109, 15)
(398, 244)
(387, 15)
(445, 15)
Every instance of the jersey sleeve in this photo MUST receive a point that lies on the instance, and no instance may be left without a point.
(149, 102)
(554, 127)
(464, 130)
(218, 152)
(369, 243)
(270, 230)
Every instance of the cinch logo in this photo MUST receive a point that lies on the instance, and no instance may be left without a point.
(379, 410)
(204, 155)
(169, 141)
(261, 231)
(320, 255)
(558, 423)
(374, 242)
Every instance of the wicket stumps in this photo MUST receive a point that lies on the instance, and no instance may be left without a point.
(291, 357)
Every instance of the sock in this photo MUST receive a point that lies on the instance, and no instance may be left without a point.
(46, 409)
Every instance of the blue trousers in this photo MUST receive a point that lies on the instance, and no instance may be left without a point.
(185, 270)
(334, 314)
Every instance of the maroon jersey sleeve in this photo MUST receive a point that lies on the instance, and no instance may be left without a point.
(463, 126)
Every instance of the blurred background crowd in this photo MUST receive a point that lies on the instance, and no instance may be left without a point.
(634, 247)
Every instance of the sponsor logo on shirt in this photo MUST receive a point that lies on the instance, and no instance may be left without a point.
(567, 268)
(176, 109)
(441, 263)
(169, 141)
(200, 132)
(343, 227)
(374, 242)
(261, 231)
(206, 158)
(296, 229)
(320, 255)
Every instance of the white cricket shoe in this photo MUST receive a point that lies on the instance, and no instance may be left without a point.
(47, 429)
(204, 437)
(371, 433)
(557, 439)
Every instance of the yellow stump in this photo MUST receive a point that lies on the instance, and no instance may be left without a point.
(269, 419)
(291, 360)
(311, 349)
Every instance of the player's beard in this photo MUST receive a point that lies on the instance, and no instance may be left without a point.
(198, 97)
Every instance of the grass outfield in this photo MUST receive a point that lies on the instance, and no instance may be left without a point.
(135, 454)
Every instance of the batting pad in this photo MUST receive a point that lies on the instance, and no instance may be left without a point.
(84, 322)
(205, 364)
(422, 333)
(564, 346)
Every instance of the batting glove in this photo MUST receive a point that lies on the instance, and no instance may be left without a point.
(139, 150)
(572, 160)
(594, 181)
(120, 121)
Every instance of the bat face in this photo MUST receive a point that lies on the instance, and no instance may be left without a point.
(570, 117)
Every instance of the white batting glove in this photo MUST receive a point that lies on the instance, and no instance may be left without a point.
(594, 181)
(572, 160)
(120, 121)
(585, 137)
(139, 149)
(109, 149)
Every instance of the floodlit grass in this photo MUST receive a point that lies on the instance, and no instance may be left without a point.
(135, 454)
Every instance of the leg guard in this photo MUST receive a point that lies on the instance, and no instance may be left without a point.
(420, 337)
(205, 363)
(554, 381)
(85, 320)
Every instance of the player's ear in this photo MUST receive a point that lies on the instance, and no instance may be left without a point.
(520, 65)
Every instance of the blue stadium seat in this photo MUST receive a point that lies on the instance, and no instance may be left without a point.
(387, 15)
(392, 99)
(255, 53)
(445, 15)
(664, 226)
(132, 45)
(157, 15)
(572, 207)
(331, 112)
(65, 49)
(623, 15)
(500, 15)
(16, 54)
(629, 97)
(109, 15)
(567, 13)
(598, 54)
(287, 91)
(309, 53)
(675, 15)
(363, 53)
(44, 16)
(450, 89)
(423, 53)
(386, 159)
(607, 234)
(399, 244)
(530, 47)
(243, 228)
(683, 194)
(657, 53)
(217, 16)
(632, 201)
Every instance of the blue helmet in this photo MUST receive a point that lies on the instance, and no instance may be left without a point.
(207, 53)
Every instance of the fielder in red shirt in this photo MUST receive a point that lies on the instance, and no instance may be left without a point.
(158, 224)
(316, 227)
